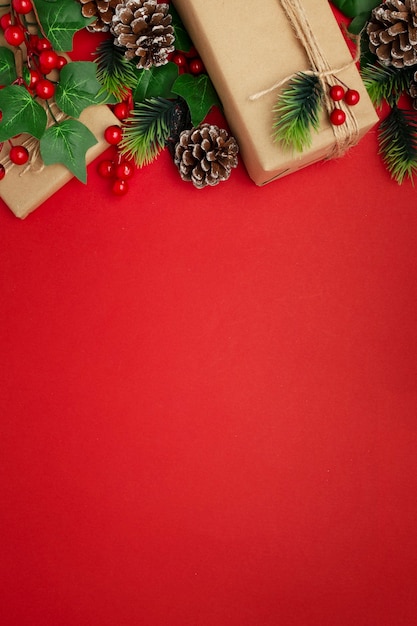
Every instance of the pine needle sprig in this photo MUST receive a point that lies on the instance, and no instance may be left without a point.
(386, 83)
(146, 130)
(397, 135)
(297, 112)
(116, 73)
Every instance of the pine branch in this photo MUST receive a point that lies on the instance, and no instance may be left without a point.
(297, 112)
(116, 73)
(147, 129)
(386, 83)
(397, 137)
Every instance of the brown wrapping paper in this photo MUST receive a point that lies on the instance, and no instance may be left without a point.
(24, 192)
(247, 49)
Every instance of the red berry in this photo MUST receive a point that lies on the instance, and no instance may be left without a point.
(14, 35)
(34, 78)
(43, 44)
(191, 54)
(352, 97)
(124, 170)
(106, 168)
(61, 62)
(48, 60)
(18, 155)
(337, 117)
(120, 187)
(22, 6)
(2, 171)
(6, 20)
(337, 92)
(45, 89)
(113, 134)
(196, 66)
(179, 59)
(121, 110)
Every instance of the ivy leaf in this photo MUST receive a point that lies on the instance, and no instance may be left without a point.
(353, 8)
(199, 94)
(78, 88)
(7, 67)
(60, 20)
(156, 82)
(67, 143)
(182, 38)
(21, 113)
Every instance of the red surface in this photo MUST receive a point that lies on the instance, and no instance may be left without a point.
(209, 402)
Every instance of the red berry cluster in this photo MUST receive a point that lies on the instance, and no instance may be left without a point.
(41, 60)
(118, 170)
(341, 92)
(188, 62)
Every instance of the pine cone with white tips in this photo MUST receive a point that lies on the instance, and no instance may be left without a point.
(205, 155)
(102, 10)
(143, 28)
(392, 31)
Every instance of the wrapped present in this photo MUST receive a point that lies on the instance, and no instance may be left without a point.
(252, 52)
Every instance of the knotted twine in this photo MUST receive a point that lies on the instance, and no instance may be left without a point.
(347, 134)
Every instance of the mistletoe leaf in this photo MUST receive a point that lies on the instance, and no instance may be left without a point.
(297, 112)
(60, 20)
(67, 143)
(199, 94)
(182, 38)
(157, 81)
(7, 67)
(353, 8)
(397, 136)
(78, 88)
(21, 113)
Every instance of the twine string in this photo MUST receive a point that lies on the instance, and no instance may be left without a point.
(346, 134)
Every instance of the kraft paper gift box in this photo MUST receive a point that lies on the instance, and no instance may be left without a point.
(247, 47)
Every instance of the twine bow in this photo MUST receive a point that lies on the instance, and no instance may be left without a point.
(347, 134)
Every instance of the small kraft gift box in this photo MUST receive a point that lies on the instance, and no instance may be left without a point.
(253, 52)
(24, 187)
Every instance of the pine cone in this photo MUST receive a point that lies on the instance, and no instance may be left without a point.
(103, 10)
(143, 28)
(392, 31)
(412, 90)
(205, 155)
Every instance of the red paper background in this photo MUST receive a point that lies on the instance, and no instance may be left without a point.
(209, 402)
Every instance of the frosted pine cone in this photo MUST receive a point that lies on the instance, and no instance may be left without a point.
(392, 32)
(205, 155)
(102, 10)
(143, 28)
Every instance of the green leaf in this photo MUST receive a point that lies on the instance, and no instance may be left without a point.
(182, 39)
(67, 143)
(353, 8)
(199, 94)
(358, 23)
(7, 67)
(60, 20)
(157, 81)
(78, 88)
(146, 130)
(397, 135)
(297, 112)
(21, 113)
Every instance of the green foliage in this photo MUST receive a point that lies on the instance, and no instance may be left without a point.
(182, 39)
(116, 73)
(156, 82)
(397, 135)
(21, 113)
(297, 112)
(353, 8)
(147, 130)
(385, 83)
(60, 20)
(199, 94)
(7, 67)
(78, 88)
(67, 143)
